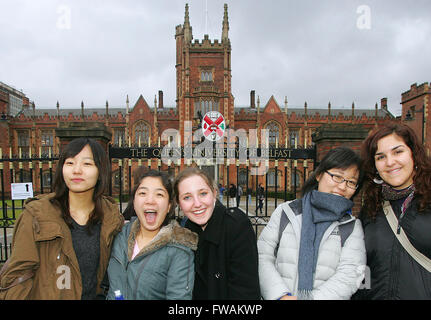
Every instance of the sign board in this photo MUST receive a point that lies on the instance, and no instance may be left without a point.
(21, 191)
(213, 125)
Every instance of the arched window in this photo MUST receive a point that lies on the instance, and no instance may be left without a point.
(142, 131)
(271, 177)
(205, 105)
(206, 76)
(274, 133)
(116, 179)
(293, 136)
(298, 179)
(26, 177)
(46, 179)
(243, 177)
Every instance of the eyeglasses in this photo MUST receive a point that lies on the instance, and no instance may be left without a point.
(339, 179)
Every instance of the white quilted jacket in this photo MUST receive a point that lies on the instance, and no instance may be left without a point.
(339, 270)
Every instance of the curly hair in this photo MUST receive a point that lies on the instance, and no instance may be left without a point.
(422, 179)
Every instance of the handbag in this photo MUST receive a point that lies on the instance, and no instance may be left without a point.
(402, 238)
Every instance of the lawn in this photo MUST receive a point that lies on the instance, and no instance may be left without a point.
(9, 210)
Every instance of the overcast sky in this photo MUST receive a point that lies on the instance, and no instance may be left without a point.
(308, 50)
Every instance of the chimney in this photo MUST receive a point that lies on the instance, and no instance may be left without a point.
(160, 99)
(252, 99)
(384, 103)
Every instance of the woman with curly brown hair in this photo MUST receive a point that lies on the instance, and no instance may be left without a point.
(398, 180)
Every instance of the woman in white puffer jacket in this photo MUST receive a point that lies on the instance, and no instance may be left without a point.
(310, 261)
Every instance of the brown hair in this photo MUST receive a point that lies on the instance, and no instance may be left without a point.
(189, 172)
(422, 163)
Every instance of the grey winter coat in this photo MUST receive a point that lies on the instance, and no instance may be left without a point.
(339, 269)
(163, 270)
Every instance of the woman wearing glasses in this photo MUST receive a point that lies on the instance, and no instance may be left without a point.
(313, 248)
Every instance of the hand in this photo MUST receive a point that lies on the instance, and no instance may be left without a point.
(286, 297)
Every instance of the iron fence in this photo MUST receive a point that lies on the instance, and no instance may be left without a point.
(281, 164)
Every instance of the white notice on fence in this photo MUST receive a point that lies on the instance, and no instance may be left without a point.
(21, 191)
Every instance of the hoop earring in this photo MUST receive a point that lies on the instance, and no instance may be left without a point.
(377, 179)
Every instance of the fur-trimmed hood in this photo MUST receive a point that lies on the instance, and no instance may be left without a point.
(171, 234)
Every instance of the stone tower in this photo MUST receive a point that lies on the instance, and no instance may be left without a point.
(203, 74)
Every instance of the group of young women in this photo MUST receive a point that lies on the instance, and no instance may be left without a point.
(73, 243)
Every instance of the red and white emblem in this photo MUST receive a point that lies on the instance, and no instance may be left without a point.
(213, 125)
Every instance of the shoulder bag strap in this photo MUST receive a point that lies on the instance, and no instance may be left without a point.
(402, 238)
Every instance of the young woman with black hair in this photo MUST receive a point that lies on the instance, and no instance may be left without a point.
(152, 258)
(308, 260)
(63, 239)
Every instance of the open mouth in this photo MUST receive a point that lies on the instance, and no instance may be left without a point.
(150, 216)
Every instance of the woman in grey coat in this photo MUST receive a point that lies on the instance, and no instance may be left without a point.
(152, 258)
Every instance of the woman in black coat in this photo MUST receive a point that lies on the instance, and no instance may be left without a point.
(398, 173)
(226, 261)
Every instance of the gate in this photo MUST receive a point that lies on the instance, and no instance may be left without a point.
(15, 169)
(281, 164)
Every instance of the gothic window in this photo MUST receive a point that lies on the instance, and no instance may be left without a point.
(24, 142)
(47, 141)
(298, 180)
(205, 105)
(142, 132)
(273, 133)
(271, 177)
(293, 137)
(243, 177)
(116, 179)
(46, 179)
(119, 135)
(206, 75)
(26, 176)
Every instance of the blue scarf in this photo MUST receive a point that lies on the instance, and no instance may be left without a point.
(319, 210)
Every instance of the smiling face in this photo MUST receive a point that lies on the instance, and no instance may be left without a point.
(328, 185)
(151, 203)
(196, 199)
(394, 162)
(80, 173)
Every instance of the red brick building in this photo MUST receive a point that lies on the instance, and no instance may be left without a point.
(416, 104)
(203, 83)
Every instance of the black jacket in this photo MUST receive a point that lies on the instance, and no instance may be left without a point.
(394, 273)
(226, 259)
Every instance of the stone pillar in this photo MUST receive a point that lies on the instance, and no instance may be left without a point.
(67, 131)
(331, 136)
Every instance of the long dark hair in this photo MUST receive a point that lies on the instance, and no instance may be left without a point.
(337, 158)
(422, 178)
(139, 175)
(61, 198)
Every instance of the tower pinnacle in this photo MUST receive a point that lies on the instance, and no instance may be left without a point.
(225, 32)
